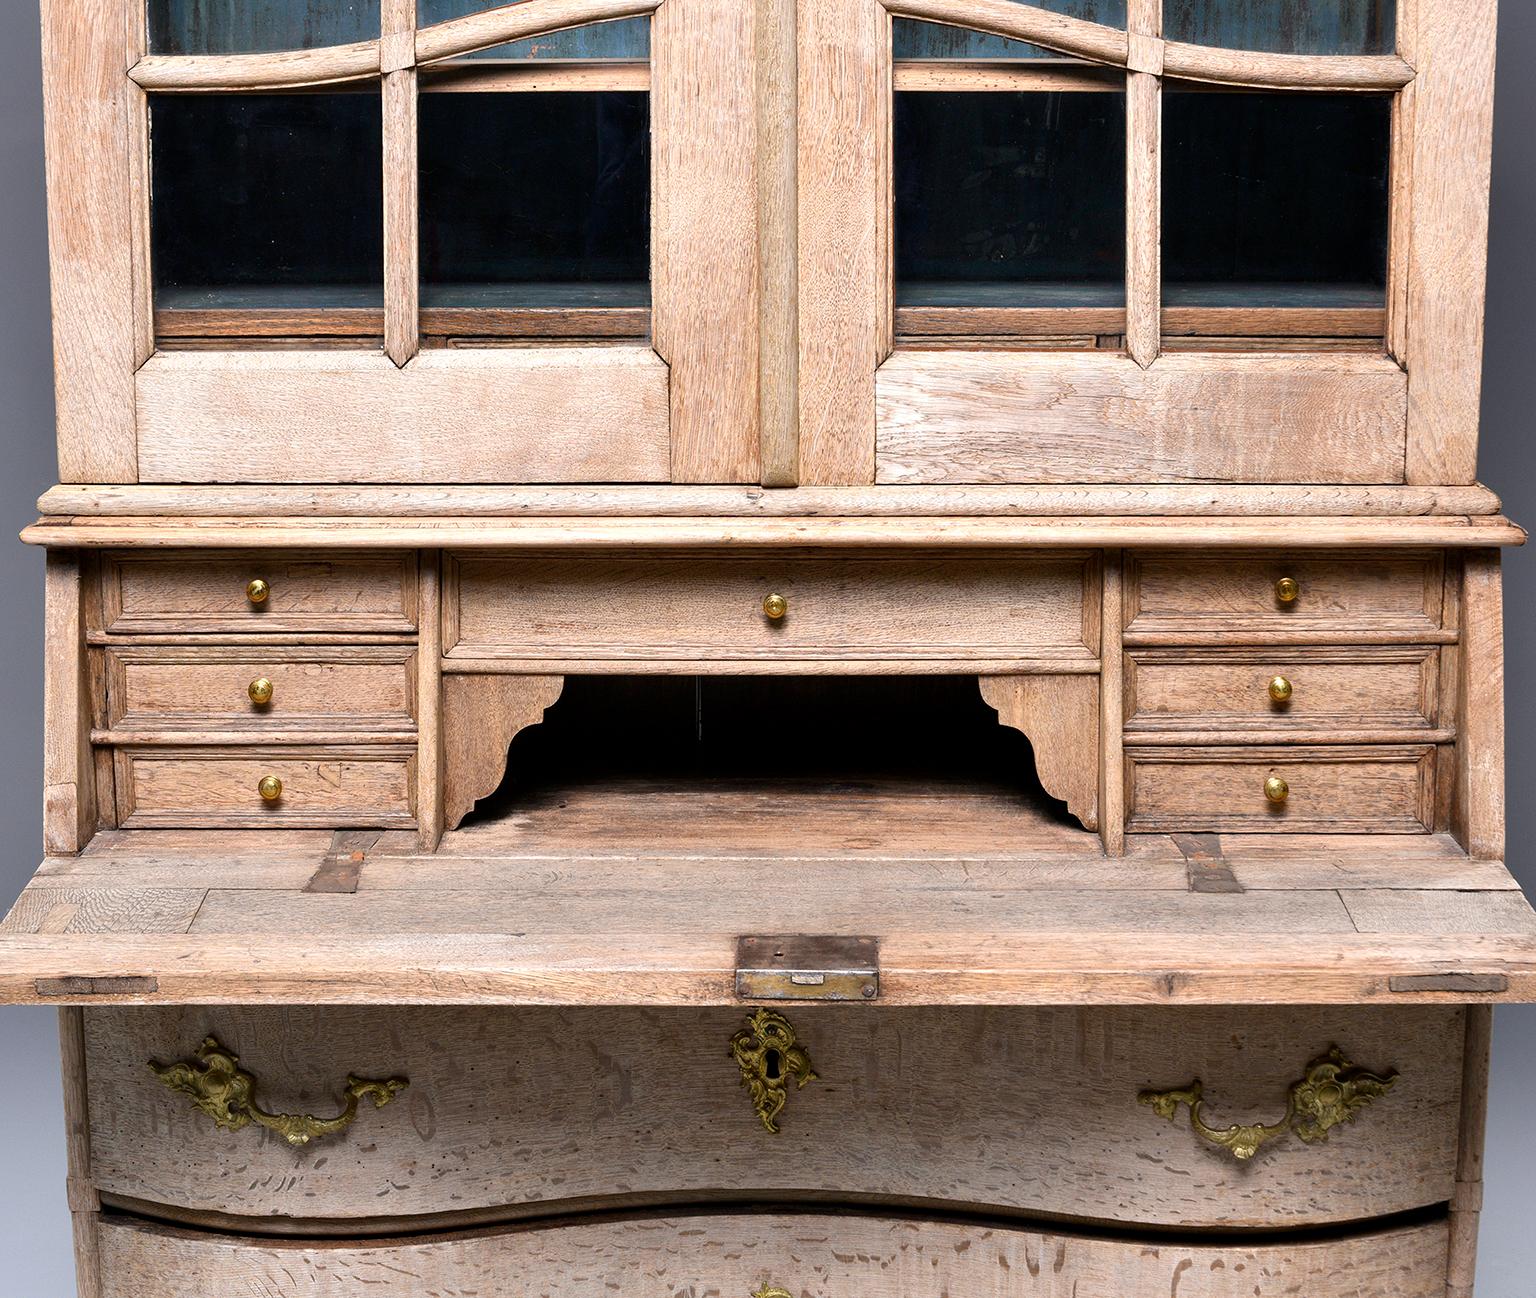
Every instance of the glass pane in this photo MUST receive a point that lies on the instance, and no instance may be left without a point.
(535, 199)
(920, 40)
(1010, 199)
(1275, 199)
(1285, 26)
(628, 38)
(267, 200)
(258, 26)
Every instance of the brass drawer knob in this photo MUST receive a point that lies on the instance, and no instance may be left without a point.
(260, 691)
(1276, 790)
(769, 1055)
(1287, 589)
(219, 1087)
(1280, 690)
(270, 788)
(257, 591)
(775, 607)
(1332, 1091)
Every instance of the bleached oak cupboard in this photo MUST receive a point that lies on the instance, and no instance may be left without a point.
(790, 650)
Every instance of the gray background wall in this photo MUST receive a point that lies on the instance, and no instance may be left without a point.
(35, 1259)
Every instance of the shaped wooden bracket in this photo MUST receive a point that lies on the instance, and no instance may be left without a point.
(1060, 717)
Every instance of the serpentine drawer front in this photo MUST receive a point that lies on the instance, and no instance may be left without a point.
(898, 608)
(518, 1111)
(256, 592)
(767, 1256)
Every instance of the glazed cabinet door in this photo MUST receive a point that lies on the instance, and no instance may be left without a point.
(1141, 240)
(404, 240)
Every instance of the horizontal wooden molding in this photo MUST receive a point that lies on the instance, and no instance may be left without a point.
(1112, 46)
(365, 59)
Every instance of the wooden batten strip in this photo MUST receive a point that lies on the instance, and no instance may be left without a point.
(1112, 773)
(704, 242)
(1448, 239)
(778, 357)
(402, 267)
(1400, 214)
(1143, 184)
(511, 75)
(1021, 74)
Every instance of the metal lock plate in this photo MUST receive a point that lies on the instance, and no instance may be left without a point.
(802, 967)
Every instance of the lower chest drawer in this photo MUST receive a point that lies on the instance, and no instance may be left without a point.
(523, 1111)
(366, 785)
(769, 1255)
(1389, 789)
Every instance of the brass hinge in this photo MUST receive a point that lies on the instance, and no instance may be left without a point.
(802, 967)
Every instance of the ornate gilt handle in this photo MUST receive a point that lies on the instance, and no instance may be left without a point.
(769, 1055)
(227, 1094)
(1333, 1091)
(772, 1291)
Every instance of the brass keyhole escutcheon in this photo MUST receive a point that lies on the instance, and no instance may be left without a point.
(1287, 589)
(1280, 690)
(270, 788)
(775, 607)
(1276, 790)
(257, 591)
(769, 1055)
(260, 691)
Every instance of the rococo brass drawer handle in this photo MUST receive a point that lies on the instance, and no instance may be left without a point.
(227, 1094)
(1333, 1091)
(768, 1055)
(772, 1291)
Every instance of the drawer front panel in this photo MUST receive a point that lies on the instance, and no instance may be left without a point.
(209, 592)
(1386, 790)
(1392, 594)
(831, 1256)
(900, 609)
(198, 787)
(1032, 1110)
(209, 687)
(1372, 687)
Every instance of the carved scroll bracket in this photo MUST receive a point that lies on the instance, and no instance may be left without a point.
(1060, 717)
(482, 715)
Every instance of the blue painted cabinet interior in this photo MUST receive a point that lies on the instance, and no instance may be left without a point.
(628, 38)
(1285, 26)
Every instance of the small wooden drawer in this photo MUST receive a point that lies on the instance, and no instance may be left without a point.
(531, 1111)
(599, 608)
(1363, 688)
(1395, 594)
(739, 1254)
(1385, 789)
(366, 785)
(326, 688)
(211, 591)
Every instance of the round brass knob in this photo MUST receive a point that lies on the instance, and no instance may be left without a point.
(774, 607)
(1276, 789)
(260, 691)
(1287, 589)
(1280, 690)
(257, 591)
(270, 788)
